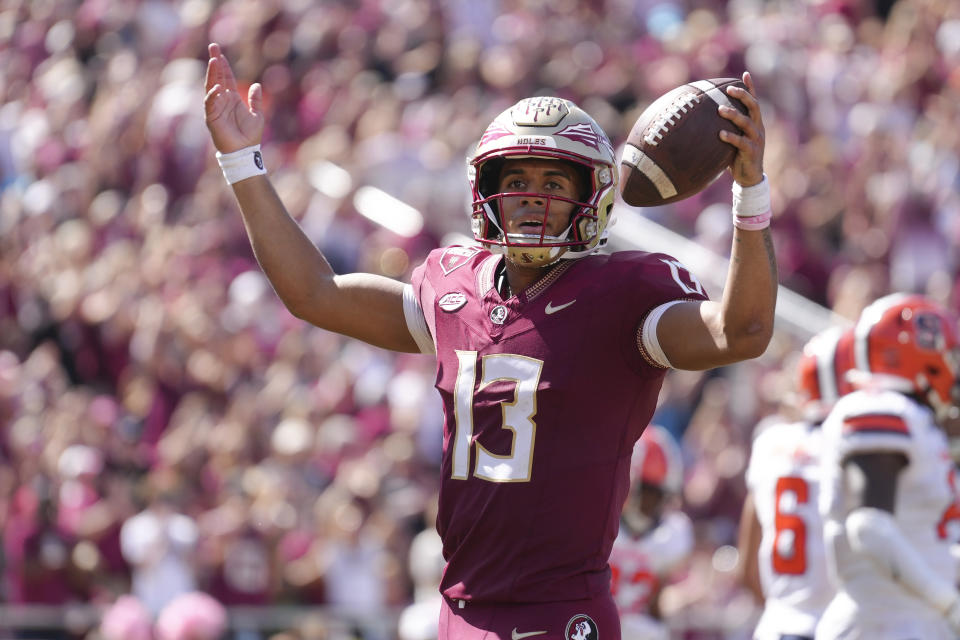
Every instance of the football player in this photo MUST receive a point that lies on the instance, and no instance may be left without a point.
(887, 483)
(781, 532)
(654, 539)
(550, 355)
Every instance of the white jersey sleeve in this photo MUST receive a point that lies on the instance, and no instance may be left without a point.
(417, 321)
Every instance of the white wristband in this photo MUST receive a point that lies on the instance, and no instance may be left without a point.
(241, 164)
(751, 201)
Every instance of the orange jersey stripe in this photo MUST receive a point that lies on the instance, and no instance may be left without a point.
(876, 423)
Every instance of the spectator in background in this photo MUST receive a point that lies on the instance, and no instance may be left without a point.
(93, 505)
(655, 537)
(159, 543)
(236, 555)
(191, 616)
(419, 620)
(359, 574)
(127, 619)
(38, 555)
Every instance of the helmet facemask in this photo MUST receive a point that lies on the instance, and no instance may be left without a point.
(537, 248)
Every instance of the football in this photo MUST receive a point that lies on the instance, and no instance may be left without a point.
(674, 149)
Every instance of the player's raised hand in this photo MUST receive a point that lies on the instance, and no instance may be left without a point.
(233, 125)
(747, 165)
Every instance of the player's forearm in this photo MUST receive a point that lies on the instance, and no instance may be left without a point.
(750, 294)
(295, 267)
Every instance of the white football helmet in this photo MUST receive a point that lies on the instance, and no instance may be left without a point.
(549, 128)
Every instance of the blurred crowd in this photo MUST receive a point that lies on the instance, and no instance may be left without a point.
(169, 430)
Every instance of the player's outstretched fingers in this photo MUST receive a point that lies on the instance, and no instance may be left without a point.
(213, 103)
(211, 78)
(222, 73)
(214, 72)
(227, 78)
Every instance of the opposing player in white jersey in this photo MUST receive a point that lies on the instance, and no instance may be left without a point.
(654, 538)
(781, 532)
(888, 480)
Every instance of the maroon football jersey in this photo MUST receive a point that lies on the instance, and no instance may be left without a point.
(544, 395)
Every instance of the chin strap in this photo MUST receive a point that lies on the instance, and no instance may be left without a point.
(875, 534)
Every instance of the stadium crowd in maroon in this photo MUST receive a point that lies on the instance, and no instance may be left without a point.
(147, 368)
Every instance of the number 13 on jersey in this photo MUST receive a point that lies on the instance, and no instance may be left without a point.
(517, 415)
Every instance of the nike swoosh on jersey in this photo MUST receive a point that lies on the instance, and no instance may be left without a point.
(516, 635)
(552, 309)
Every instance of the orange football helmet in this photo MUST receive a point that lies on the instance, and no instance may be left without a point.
(656, 474)
(909, 343)
(822, 371)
